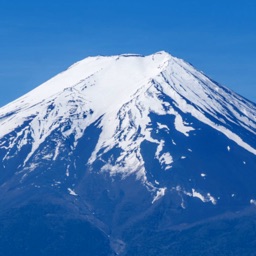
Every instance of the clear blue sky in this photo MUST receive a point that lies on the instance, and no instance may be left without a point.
(39, 39)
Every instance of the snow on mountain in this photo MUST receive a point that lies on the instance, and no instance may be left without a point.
(127, 150)
(119, 94)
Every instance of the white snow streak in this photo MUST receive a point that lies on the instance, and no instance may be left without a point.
(160, 193)
(180, 126)
(204, 198)
(72, 192)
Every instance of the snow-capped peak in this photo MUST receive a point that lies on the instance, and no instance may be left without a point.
(121, 92)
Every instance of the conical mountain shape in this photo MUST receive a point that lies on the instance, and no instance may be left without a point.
(132, 148)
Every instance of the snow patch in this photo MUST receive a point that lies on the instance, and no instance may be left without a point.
(67, 171)
(56, 153)
(163, 126)
(160, 193)
(180, 126)
(159, 149)
(166, 159)
(72, 192)
(198, 195)
(205, 199)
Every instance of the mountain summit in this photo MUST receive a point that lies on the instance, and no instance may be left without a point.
(122, 151)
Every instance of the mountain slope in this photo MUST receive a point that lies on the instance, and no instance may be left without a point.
(130, 141)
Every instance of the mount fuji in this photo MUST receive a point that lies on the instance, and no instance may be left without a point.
(128, 155)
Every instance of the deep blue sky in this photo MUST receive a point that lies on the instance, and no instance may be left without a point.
(39, 39)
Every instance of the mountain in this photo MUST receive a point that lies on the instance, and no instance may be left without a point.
(128, 155)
